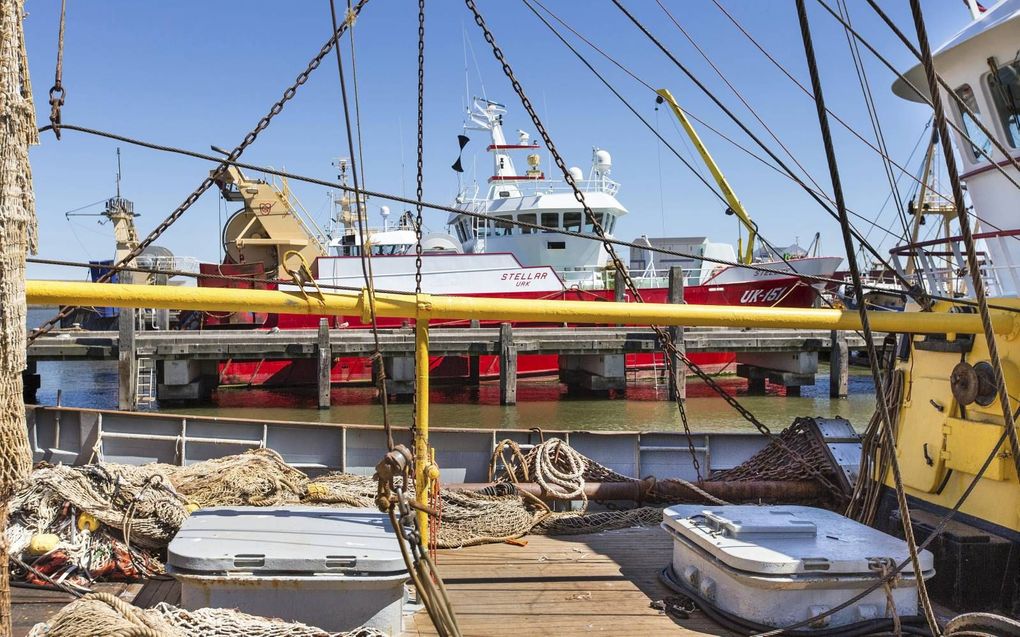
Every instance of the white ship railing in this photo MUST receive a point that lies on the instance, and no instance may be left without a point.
(940, 265)
(470, 200)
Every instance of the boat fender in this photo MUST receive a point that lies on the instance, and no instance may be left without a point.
(43, 543)
(88, 522)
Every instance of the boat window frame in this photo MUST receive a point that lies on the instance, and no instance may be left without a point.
(533, 219)
(1010, 131)
(973, 156)
(503, 225)
(572, 227)
(554, 224)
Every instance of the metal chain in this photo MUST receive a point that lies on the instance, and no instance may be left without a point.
(665, 342)
(206, 184)
(419, 191)
(660, 333)
(57, 92)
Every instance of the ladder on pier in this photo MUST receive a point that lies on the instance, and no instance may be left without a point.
(145, 388)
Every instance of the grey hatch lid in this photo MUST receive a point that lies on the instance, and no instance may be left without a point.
(296, 539)
(786, 539)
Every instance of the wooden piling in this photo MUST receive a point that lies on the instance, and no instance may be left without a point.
(678, 381)
(839, 366)
(507, 366)
(325, 353)
(474, 361)
(127, 361)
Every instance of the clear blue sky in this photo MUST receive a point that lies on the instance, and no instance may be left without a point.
(193, 74)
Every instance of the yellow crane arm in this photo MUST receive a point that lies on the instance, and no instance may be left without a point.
(746, 255)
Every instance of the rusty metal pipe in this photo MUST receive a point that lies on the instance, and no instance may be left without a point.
(638, 490)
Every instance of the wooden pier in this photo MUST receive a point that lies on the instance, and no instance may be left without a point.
(591, 357)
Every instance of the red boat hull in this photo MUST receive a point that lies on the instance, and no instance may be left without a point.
(786, 292)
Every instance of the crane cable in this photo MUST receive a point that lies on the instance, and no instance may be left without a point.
(691, 115)
(873, 118)
(873, 358)
(917, 292)
(365, 252)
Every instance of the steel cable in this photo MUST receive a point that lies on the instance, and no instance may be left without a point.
(873, 358)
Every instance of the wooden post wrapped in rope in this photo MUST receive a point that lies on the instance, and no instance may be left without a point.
(17, 237)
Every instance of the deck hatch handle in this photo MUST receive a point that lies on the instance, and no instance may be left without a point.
(249, 560)
(341, 561)
(815, 564)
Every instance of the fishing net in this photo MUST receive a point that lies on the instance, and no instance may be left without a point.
(259, 477)
(17, 238)
(775, 462)
(111, 522)
(104, 615)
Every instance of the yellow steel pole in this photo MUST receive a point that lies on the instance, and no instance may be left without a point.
(424, 470)
(425, 306)
(746, 255)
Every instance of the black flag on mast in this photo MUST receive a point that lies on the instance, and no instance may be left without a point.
(462, 140)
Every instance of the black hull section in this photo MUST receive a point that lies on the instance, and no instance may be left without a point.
(977, 563)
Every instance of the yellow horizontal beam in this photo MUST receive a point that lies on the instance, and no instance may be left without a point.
(426, 306)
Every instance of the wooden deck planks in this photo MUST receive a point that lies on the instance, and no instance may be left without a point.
(31, 606)
(566, 585)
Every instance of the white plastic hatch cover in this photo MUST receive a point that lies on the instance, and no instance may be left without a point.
(784, 540)
(297, 540)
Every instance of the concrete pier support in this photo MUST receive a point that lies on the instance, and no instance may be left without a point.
(839, 366)
(325, 357)
(507, 366)
(593, 372)
(186, 380)
(127, 361)
(677, 383)
(399, 375)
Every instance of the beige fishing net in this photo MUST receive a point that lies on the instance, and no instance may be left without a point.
(17, 238)
(104, 615)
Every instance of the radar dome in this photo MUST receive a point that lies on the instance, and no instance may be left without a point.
(603, 161)
(576, 173)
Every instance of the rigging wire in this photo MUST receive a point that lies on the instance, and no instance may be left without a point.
(365, 252)
(357, 98)
(964, 222)
(700, 120)
(696, 172)
(927, 100)
(765, 269)
(738, 95)
(923, 299)
(665, 340)
(876, 124)
(873, 357)
(222, 163)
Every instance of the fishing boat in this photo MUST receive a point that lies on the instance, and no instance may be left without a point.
(504, 243)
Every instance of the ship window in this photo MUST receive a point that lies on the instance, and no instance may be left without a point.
(556, 245)
(979, 141)
(503, 226)
(588, 227)
(460, 232)
(528, 217)
(1005, 87)
(572, 221)
(551, 220)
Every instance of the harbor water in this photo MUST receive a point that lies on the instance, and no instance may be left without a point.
(541, 403)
